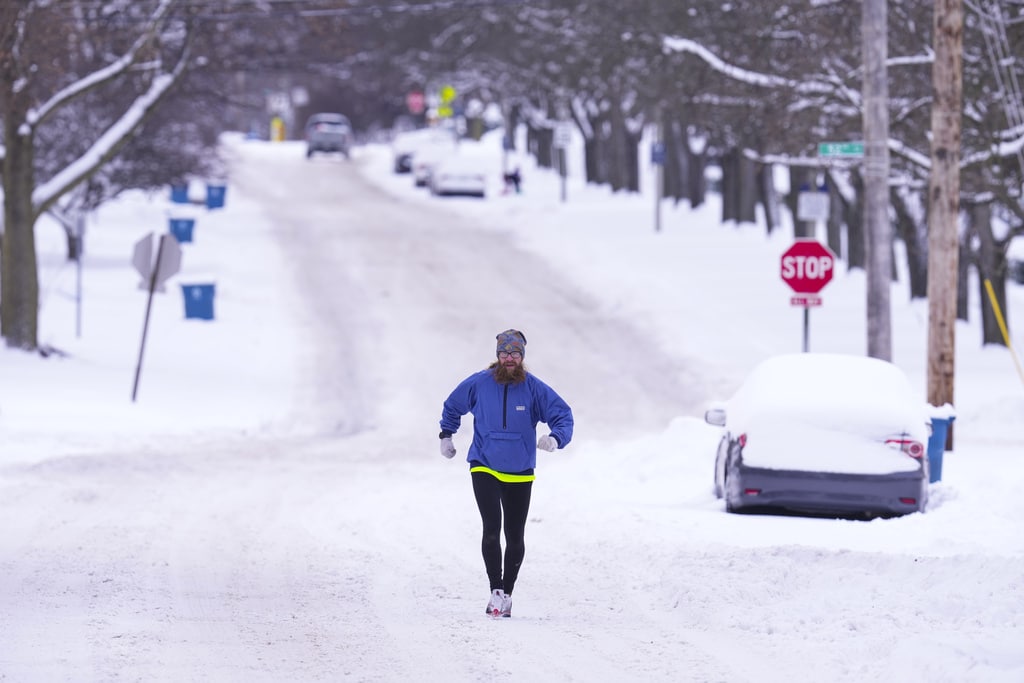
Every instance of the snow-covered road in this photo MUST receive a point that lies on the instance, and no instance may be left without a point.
(346, 548)
(402, 301)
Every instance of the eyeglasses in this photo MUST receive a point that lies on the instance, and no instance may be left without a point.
(505, 355)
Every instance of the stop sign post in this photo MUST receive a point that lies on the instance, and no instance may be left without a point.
(807, 266)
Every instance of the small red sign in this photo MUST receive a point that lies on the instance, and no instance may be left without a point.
(806, 300)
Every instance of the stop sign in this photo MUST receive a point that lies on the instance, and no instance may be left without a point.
(415, 102)
(807, 266)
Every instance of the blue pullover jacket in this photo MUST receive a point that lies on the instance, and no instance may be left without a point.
(505, 418)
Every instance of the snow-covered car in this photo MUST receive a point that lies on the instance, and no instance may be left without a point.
(404, 146)
(459, 175)
(825, 434)
(416, 151)
(426, 157)
(328, 132)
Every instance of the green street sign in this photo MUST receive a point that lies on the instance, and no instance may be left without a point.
(841, 149)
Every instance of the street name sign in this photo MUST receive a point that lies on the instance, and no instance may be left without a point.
(841, 149)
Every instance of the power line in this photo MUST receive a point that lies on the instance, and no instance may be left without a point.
(218, 9)
(993, 28)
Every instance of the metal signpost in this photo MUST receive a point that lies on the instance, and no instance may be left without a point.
(80, 251)
(154, 272)
(658, 159)
(562, 137)
(807, 266)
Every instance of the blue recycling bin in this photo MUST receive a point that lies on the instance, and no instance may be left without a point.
(179, 194)
(215, 196)
(182, 228)
(937, 447)
(198, 301)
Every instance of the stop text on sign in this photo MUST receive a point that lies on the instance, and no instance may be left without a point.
(807, 267)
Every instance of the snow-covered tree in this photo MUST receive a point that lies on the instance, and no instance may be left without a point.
(53, 57)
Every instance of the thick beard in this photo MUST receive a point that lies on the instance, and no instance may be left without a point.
(502, 375)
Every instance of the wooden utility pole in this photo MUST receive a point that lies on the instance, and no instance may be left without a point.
(944, 200)
(878, 229)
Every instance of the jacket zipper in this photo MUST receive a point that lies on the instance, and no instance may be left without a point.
(504, 409)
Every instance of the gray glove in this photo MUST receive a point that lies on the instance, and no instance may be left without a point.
(547, 443)
(447, 447)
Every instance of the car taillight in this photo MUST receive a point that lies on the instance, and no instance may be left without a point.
(912, 448)
(742, 440)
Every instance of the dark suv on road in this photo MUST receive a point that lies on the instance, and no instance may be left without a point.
(328, 132)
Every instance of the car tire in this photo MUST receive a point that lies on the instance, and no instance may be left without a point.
(730, 507)
(715, 486)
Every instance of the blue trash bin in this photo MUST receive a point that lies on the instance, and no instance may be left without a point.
(179, 194)
(198, 301)
(937, 447)
(182, 228)
(215, 196)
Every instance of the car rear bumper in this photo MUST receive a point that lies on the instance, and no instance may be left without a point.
(327, 147)
(898, 493)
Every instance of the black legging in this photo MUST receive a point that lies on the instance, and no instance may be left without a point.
(493, 496)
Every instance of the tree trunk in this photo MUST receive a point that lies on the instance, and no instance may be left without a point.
(730, 186)
(541, 144)
(834, 224)
(697, 186)
(739, 188)
(944, 200)
(73, 243)
(512, 120)
(854, 212)
(633, 161)
(913, 236)
(597, 151)
(991, 262)
(768, 197)
(676, 168)
(963, 264)
(748, 189)
(624, 170)
(19, 308)
(590, 152)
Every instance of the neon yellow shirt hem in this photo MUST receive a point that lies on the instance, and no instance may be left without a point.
(501, 476)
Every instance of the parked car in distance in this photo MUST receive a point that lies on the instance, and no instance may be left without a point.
(425, 143)
(427, 156)
(403, 148)
(823, 434)
(459, 175)
(328, 132)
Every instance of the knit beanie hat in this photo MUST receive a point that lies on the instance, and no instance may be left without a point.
(512, 341)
